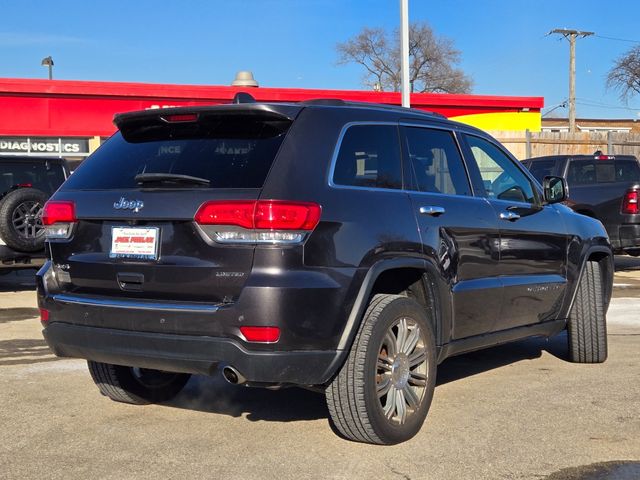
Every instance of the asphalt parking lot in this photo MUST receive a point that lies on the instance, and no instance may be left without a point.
(518, 411)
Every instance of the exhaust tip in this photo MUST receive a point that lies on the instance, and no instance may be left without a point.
(232, 376)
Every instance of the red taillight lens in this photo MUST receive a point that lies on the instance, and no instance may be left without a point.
(630, 202)
(239, 213)
(260, 215)
(261, 334)
(279, 215)
(58, 212)
(44, 315)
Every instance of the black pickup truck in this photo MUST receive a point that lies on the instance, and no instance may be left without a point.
(605, 187)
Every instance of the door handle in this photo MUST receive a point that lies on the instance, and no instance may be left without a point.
(509, 215)
(431, 210)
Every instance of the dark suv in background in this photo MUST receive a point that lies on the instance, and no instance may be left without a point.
(25, 185)
(347, 248)
(605, 187)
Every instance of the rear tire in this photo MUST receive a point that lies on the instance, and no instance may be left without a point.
(137, 386)
(587, 328)
(383, 391)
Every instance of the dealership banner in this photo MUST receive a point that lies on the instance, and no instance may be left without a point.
(45, 146)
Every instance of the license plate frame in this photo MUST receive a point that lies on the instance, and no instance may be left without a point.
(133, 243)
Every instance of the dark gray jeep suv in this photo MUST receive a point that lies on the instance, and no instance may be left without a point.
(347, 248)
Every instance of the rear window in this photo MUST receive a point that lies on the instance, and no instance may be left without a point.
(541, 169)
(46, 177)
(233, 152)
(585, 172)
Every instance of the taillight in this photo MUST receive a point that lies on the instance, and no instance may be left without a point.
(630, 202)
(58, 219)
(258, 221)
(260, 334)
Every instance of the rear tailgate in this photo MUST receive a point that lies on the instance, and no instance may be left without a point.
(138, 239)
(598, 185)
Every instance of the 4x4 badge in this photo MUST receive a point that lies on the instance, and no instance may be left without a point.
(134, 205)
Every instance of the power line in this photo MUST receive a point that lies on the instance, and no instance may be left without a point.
(617, 39)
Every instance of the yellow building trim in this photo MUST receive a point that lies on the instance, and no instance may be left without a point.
(513, 121)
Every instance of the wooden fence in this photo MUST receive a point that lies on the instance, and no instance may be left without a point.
(537, 144)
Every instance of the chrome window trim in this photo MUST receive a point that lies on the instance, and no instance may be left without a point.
(516, 162)
(336, 151)
(454, 134)
(401, 123)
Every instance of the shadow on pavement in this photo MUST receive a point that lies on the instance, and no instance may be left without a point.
(17, 314)
(24, 351)
(469, 364)
(214, 395)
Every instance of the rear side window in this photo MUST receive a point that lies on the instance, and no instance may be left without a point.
(45, 177)
(541, 169)
(369, 156)
(436, 161)
(585, 172)
(234, 152)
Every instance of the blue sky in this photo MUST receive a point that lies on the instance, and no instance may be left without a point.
(289, 43)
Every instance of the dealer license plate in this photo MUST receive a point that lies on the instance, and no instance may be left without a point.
(138, 243)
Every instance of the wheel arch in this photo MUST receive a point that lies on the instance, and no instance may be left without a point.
(428, 291)
(604, 257)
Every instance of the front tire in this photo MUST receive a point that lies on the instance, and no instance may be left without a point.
(137, 386)
(383, 392)
(587, 328)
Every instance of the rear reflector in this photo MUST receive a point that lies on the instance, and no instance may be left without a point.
(630, 203)
(258, 221)
(58, 219)
(44, 315)
(261, 334)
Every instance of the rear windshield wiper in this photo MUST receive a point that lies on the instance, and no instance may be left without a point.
(142, 178)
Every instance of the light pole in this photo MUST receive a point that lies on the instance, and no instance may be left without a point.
(404, 52)
(48, 62)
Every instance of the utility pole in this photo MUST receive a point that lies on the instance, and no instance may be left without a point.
(404, 51)
(572, 35)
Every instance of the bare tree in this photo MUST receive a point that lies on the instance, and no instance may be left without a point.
(625, 74)
(432, 60)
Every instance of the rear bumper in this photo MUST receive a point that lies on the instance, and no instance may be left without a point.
(629, 237)
(196, 337)
(189, 354)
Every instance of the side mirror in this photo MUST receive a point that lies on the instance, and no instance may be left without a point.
(555, 189)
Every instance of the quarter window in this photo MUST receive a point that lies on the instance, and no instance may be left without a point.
(436, 161)
(502, 178)
(369, 156)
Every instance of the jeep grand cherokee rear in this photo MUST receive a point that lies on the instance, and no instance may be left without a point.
(345, 247)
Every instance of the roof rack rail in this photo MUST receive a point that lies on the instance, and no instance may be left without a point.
(243, 97)
(331, 102)
(336, 102)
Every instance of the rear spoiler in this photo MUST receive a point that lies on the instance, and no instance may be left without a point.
(162, 116)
